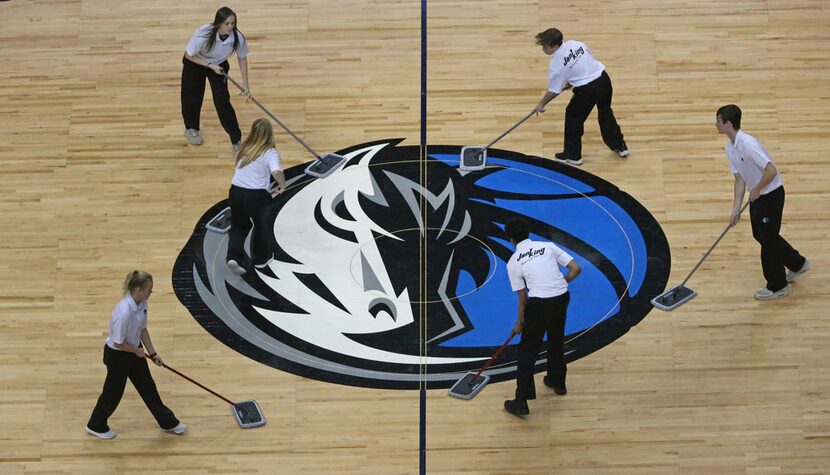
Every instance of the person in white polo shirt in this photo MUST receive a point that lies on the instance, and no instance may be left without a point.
(250, 200)
(124, 358)
(534, 274)
(573, 66)
(754, 170)
(206, 57)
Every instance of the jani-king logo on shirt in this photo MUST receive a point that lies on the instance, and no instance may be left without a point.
(388, 250)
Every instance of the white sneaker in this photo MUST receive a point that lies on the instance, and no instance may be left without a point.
(110, 434)
(193, 137)
(235, 267)
(792, 275)
(178, 430)
(767, 294)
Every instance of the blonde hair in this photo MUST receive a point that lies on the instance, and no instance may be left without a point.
(136, 279)
(256, 143)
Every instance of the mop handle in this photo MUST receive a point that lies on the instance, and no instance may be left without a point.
(728, 227)
(510, 129)
(496, 355)
(197, 383)
(274, 118)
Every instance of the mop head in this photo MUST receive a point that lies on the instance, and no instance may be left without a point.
(473, 158)
(325, 165)
(248, 414)
(674, 298)
(220, 223)
(467, 387)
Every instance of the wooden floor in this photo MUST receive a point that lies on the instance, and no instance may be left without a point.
(96, 179)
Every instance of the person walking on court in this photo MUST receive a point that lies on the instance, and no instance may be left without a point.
(753, 169)
(206, 57)
(250, 201)
(573, 66)
(124, 358)
(534, 274)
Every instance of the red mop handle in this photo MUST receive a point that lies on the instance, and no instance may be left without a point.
(496, 355)
(165, 365)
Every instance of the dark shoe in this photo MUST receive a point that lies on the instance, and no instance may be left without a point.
(622, 151)
(560, 390)
(573, 161)
(516, 407)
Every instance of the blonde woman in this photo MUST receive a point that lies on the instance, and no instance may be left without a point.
(124, 358)
(256, 163)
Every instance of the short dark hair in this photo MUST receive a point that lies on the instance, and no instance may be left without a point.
(517, 229)
(731, 113)
(549, 37)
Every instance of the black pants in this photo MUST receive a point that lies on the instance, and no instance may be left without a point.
(193, 92)
(542, 315)
(765, 213)
(122, 365)
(596, 93)
(250, 208)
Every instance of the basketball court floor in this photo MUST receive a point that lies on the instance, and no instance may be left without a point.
(389, 282)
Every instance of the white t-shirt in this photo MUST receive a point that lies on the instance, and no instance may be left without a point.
(535, 266)
(574, 64)
(128, 319)
(747, 157)
(221, 51)
(257, 174)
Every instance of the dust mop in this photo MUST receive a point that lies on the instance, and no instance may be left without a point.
(681, 294)
(247, 413)
(472, 383)
(475, 158)
(322, 166)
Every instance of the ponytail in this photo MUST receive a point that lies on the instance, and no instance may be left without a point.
(136, 279)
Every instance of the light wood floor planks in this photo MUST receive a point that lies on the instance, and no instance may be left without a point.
(97, 179)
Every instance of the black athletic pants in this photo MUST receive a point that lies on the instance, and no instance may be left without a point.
(123, 365)
(193, 92)
(250, 208)
(596, 93)
(765, 213)
(542, 315)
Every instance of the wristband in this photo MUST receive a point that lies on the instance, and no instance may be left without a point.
(153, 355)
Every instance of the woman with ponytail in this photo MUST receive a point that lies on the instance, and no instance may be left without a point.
(250, 201)
(124, 357)
(206, 57)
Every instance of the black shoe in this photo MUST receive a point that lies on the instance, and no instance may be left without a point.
(516, 407)
(622, 151)
(573, 161)
(560, 390)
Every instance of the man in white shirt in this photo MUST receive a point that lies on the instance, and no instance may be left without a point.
(543, 304)
(573, 66)
(753, 169)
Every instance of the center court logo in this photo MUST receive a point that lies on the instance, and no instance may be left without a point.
(363, 254)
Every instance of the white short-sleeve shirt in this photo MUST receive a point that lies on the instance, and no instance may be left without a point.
(221, 50)
(535, 266)
(573, 63)
(747, 157)
(128, 319)
(257, 174)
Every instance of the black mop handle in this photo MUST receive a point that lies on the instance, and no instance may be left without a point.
(198, 384)
(496, 355)
(274, 118)
(728, 227)
(510, 129)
